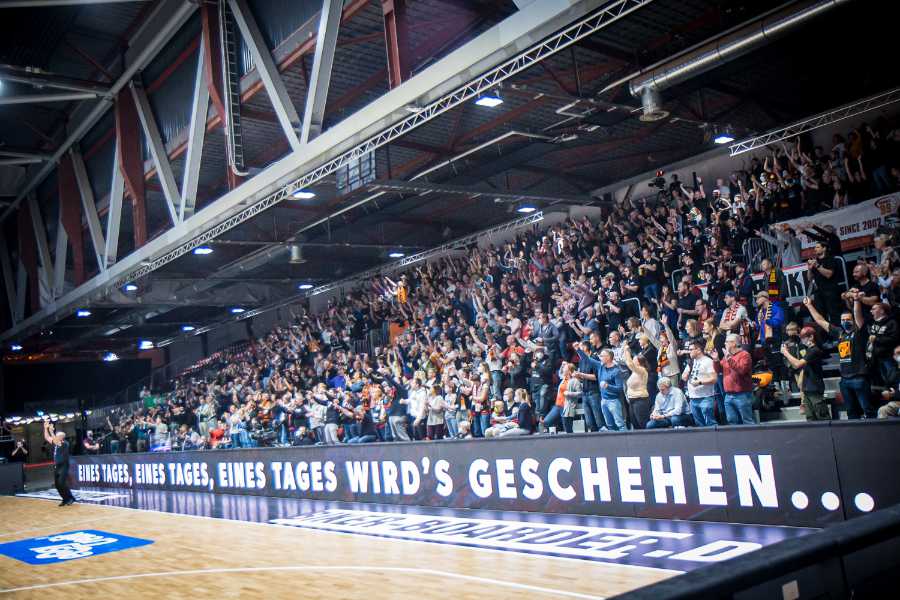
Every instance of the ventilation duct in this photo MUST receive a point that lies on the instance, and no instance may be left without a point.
(720, 50)
(296, 255)
(651, 105)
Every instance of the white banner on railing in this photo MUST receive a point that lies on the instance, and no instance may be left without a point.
(856, 224)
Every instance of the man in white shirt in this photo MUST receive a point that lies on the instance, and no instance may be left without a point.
(700, 376)
(417, 397)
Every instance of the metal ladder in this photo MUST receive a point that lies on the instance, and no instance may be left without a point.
(231, 78)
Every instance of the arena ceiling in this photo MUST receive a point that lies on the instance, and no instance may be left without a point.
(562, 131)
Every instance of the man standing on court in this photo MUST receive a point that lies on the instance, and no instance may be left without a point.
(60, 463)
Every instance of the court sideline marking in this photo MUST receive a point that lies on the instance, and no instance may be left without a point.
(307, 568)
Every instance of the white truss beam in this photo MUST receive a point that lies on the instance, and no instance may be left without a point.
(517, 43)
(157, 151)
(821, 120)
(59, 258)
(114, 215)
(89, 207)
(320, 76)
(40, 238)
(196, 136)
(268, 71)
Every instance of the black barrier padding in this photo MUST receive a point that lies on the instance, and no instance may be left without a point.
(804, 462)
(12, 478)
(868, 460)
(545, 473)
(687, 443)
(823, 580)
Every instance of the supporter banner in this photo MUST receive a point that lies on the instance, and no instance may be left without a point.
(780, 475)
(795, 279)
(856, 224)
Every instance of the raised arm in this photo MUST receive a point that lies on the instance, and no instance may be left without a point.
(816, 315)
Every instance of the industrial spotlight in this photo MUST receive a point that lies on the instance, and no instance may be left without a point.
(305, 286)
(303, 194)
(145, 345)
(130, 287)
(110, 357)
(82, 313)
(203, 250)
(396, 254)
(490, 99)
(187, 328)
(296, 255)
(238, 310)
(723, 136)
(16, 347)
(526, 208)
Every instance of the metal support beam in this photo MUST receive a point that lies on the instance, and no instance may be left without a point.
(16, 153)
(320, 77)
(89, 207)
(59, 257)
(196, 135)
(46, 3)
(114, 215)
(41, 98)
(43, 79)
(70, 209)
(17, 162)
(157, 151)
(21, 285)
(396, 41)
(821, 120)
(40, 238)
(517, 43)
(168, 17)
(131, 163)
(8, 278)
(424, 187)
(268, 72)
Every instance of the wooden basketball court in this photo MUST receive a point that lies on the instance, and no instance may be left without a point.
(195, 556)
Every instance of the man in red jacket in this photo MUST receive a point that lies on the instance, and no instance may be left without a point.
(737, 366)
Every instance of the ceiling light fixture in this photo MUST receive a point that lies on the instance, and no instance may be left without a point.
(187, 328)
(723, 135)
(145, 345)
(82, 313)
(203, 250)
(303, 194)
(238, 310)
(110, 357)
(723, 138)
(526, 209)
(490, 99)
(16, 347)
(305, 286)
(396, 254)
(130, 287)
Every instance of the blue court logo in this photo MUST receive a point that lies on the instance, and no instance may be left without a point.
(62, 547)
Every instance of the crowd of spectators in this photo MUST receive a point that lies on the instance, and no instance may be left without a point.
(646, 317)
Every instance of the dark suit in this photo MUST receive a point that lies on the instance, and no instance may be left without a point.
(61, 471)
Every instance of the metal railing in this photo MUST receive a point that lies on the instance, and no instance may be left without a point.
(756, 249)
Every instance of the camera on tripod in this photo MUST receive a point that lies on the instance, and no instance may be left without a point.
(659, 182)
